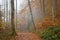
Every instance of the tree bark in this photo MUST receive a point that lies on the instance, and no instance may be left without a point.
(12, 17)
(0, 17)
(31, 15)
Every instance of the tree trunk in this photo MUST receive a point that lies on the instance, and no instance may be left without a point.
(12, 17)
(0, 17)
(31, 15)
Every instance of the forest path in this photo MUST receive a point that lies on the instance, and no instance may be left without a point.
(27, 36)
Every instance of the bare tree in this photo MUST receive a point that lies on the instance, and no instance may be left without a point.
(0, 16)
(42, 2)
(12, 16)
(31, 14)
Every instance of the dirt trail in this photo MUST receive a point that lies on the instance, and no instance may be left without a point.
(27, 36)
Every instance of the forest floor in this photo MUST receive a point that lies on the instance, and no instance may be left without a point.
(27, 36)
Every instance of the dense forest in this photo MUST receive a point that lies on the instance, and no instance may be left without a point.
(40, 18)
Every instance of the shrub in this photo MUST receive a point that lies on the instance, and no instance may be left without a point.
(6, 31)
(52, 33)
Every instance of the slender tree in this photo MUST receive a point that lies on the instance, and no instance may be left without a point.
(31, 14)
(0, 16)
(12, 17)
(43, 7)
(54, 8)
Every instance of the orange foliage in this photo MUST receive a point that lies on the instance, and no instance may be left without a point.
(57, 21)
(47, 22)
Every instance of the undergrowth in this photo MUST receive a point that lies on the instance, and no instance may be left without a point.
(51, 33)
